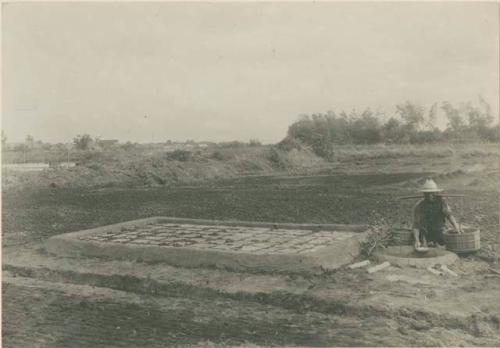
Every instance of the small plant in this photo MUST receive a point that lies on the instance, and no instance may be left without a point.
(379, 236)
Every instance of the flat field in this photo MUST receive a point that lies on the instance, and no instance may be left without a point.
(361, 185)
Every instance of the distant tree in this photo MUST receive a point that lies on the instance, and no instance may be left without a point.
(341, 128)
(412, 114)
(312, 131)
(254, 142)
(29, 141)
(365, 129)
(321, 132)
(455, 121)
(492, 134)
(302, 129)
(486, 106)
(430, 123)
(231, 144)
(478, 119)
(457, 126)
(393, 132)
(4, 138)
(82, 142)
(469, 122)
(128, 145)
(61, 147)
(20, 147)
(179, 155)
(303, 117)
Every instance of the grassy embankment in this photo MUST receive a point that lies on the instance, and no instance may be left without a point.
(147, 166)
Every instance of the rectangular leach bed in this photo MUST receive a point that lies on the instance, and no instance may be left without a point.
(231, 245)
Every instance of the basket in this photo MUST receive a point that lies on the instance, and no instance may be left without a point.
(401, 236)
(465, 242)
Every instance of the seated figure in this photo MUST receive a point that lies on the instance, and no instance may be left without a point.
(430, 216)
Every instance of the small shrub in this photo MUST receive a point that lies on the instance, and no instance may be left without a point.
(217, 155)
(232, 144)
(491, 134)
(276, 157)
(94, 166)
(83, 142)
(426, 137)
(128, 146)
(289, 144)
(179, 155)
(254, 142)
(20, 148)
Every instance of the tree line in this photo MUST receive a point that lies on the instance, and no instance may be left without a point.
(412, 124)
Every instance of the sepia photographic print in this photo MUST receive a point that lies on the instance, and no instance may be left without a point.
(250, 174)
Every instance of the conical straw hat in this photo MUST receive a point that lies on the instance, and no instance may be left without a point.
(430, 186)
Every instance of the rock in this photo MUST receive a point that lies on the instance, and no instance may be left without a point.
(359, 264)
(378, 267)
(449, 271)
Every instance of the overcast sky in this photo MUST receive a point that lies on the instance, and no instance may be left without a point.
(158, 71)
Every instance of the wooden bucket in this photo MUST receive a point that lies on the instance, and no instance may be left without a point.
(465, 242)
(401, 236)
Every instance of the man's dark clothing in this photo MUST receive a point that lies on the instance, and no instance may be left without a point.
(430, 218)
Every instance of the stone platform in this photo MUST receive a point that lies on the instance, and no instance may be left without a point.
(405, 255)
(222, 244)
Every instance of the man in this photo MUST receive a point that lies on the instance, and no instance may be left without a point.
(430, 215)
